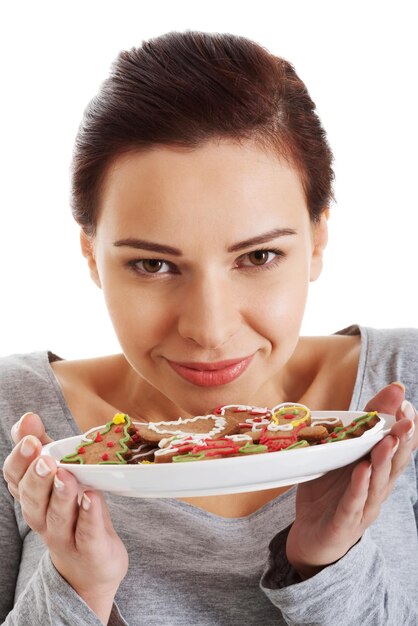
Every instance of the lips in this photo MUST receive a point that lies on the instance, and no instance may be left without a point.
(211, 374)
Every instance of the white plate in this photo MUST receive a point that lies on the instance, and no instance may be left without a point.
(229, 475)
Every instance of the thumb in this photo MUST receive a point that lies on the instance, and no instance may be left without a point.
(30, 424)
(388, 399)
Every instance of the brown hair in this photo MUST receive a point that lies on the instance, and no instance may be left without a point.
(186, 88)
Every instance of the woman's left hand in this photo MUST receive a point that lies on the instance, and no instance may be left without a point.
(333, 511)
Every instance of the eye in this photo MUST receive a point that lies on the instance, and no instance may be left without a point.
(261, 257)
(150, 266)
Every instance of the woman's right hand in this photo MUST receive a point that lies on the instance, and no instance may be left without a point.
(81, 540)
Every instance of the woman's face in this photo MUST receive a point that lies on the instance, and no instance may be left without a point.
(204, 257)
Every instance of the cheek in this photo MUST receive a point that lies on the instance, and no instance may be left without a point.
(281, 301)
(139, 319)
(278, 310)
(282, 317)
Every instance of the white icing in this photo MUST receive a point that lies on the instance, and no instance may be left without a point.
(164, 451)
(329, 420)
(244, 408)
(195, 438)
(239, 437)
(158, 427)
(163, 443)
(276, 427)
(139, 452)
(258, 422)
(285, 405)
(236, 407)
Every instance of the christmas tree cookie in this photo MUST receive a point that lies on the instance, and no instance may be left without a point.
(109, 444)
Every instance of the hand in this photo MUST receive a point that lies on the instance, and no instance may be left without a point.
(333, 511)
(82, 542)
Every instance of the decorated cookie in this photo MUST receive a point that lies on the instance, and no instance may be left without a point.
(356, 428)
(141, 452)
(206, 449)
(205, 454)
(312, 434)
(330, 423)
(109, 444)
(205, 426)
(242, 412)
(291, 413)
(176, 447)
(251, 419)
(287, 420)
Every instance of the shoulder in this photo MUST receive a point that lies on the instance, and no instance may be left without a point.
(91, 373)
(399, 345)
(17, 369)
(21, 380)
(401, 340)
(391, 354)
(25, 384)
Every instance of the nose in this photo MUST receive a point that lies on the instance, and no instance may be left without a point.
(209, 315)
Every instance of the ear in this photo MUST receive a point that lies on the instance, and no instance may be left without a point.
(319, 242)
(87, 249)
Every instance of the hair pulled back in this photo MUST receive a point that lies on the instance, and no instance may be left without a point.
(185, 88)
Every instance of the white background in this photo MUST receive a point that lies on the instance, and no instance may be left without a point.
(359, 61)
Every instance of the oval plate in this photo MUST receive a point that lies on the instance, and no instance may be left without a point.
(229, 475)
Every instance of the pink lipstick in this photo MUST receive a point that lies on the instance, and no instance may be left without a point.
(211, 374)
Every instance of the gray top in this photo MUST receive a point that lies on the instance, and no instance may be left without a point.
(188, 566)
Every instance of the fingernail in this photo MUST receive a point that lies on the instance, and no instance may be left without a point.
(58, 484)
(369, 473)
(24, 415)
(20, 421)
(42, 468)
(85, 502)
(401, 385)
(410, 432)
(14, 430)
(28, 446)
(395, 444)
(408, 410)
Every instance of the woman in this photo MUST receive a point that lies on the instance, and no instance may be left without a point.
(201, 182)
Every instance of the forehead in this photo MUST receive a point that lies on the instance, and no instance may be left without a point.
(219, 183)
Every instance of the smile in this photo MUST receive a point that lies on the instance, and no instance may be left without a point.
(211, 374)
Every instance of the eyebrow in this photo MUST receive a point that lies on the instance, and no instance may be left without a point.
(264, 238)
(142, 244)
(147, 245)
